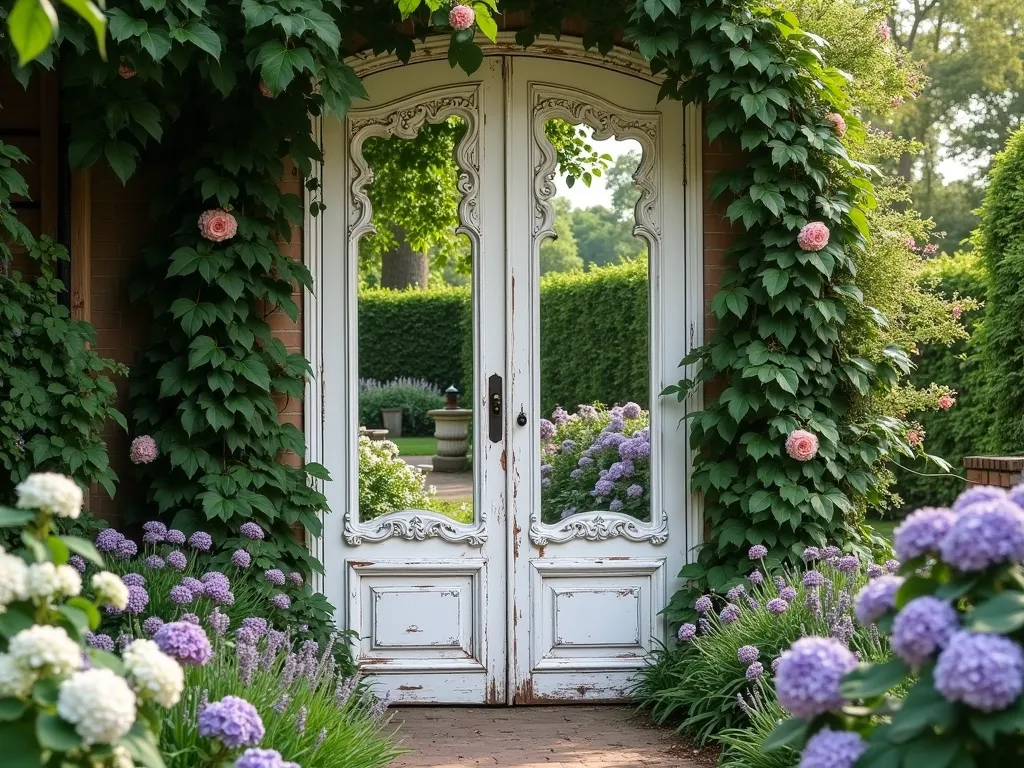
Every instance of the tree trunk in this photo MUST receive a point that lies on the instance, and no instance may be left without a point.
(403, 267)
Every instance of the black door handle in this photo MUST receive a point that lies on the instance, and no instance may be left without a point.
(521, 418)
(494, 409)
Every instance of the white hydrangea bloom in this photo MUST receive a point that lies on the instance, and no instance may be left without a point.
(155, 674)
(69, 581)
(47, 649)
(110, 589)
(99, 704)
(15, 680)
(13, 575)
(55, 493)
(42, 581)
(121, 758)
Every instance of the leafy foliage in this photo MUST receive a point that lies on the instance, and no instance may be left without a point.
(414, 398)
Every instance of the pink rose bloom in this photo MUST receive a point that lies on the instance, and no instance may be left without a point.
(915, 437)
(802, 445)
(126, 72)
(837, 122)
(957, 311)
(143, 450)
(265, 90)
(461, 17)
(929, 249)
(217, 225)
(813, 236)
(946, 402)
(911, 243)
(883, 31)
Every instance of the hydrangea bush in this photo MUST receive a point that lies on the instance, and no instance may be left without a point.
(62, 702)
(596, 459)
(386, 483)
(955, 616)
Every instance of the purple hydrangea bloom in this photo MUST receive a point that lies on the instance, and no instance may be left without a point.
(848, 564)
(832, 749)
(134, 580)
(748, 654)
(755, 671)
(921, 531)
(757, 552)
(811, 554)
(729, 614)
(612, 440)
(251, 531)
(108, 539)
(616, 506)
(233, 721)
(152, 624)
(185, 642)
(547, 429)
(986, 533)
(983, 671)
(585, 461)
(257, 624)
(736, 593)
(635, 491)
(686, 633)
(632, 411)
(201, 540)
(180, 595)
(219, 621)
(275, 576)
(77, 562)
(155, 562)
(587, 412)
(923, 626)
(559, 415)
(603, 488)
(126, 548)
(777, 606)
(756, 578)
(190, 618)
(977, 493)
(876, 598)
(545, 482)
(809, 674)
(892, 566)
(788, 594)
(576, 474)
(175, 537)
(620, 469)
(568, 445)
(138, 599)
(813, 579)
(262, 758)
(703, 604)
(177, 560)
(241, 558)
(283, 602)
(875, 570)
(101, 642)
(546, 470)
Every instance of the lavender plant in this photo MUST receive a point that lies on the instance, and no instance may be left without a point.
(736, 643)
(596, 459)
(955, 613)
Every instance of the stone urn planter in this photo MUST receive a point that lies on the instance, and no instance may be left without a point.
(374, 434)
(392, 418)
(451, 428)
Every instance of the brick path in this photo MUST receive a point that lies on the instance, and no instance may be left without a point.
(538, 737)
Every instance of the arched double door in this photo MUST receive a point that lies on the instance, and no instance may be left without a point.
(537, 571)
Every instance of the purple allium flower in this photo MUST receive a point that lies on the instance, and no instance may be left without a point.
(832, 749)
(175, 537)
(813, 579)
(241, 558)
(190, 618)
(138, 599)
(219, 621)
(201, 540)
(875, 570)
(921, 531)
(632, 411)
(686, 633)
(703, 604)
(635, 491)
(77, 562)
(757, 552)
(748, 654)
(108, 539)
(736, 593)
(262, 758)
(811, 554)
(275, 576)
(152, 624)
(177, 560)
(219, 593)
(977, 493)
(211, 577)
(233, 721)
(892, 566)
(154, 562)
(134, 580)
(848, 564)
(282, 602)
(983, 671)
(547, 429)
(788, 594)
(986, 533)
(603, 488)
(251, 531)
(756, 578)
(809, 673)
(123, 641)
(180, 595)
(876, 598)
(102, 642)
(830, 551)
(126, 548)
(193, 585)
(729, 614)
(257, 624)
(923, 626)
(155, 528)
(755, 671)
(185, 642)
(616, 506)
(777, 606)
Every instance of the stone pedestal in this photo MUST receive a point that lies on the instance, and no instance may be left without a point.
(451, 428)
(374, 434)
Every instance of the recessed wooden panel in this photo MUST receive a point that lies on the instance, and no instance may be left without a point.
(417, 617)
(594, 617)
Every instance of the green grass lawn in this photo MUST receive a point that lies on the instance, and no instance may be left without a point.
(884, 527)
(416, 446)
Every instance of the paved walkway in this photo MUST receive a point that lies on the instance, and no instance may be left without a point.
(451, 486)
(539, 737)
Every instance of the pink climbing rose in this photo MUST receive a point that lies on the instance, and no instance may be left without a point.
(126, 71)
(265, 90)
(837, 122)
(883, 31)
(957, 311)
(813, 236)
(143, 450)
(915, 437)
(217, 225)
(802, 445)
(461, 17)
(946, 402)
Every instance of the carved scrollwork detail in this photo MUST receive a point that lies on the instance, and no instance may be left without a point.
(415, 525)
(598, 526)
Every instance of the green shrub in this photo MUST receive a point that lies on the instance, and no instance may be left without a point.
(414, 397)
(386, 483)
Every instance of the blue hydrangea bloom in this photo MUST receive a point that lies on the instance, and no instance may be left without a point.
(983, 671)
(986, 533)
(832, 749)
(975, 494)
(185, 642)
(809, 674)
(635, 491)
(924, 625)
(876, 598)
(921, 531)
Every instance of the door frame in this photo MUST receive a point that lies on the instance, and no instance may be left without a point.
(317, 314)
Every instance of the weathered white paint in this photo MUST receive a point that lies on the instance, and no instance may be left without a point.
(507, 608)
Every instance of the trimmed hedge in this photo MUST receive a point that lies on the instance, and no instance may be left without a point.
(593, 336)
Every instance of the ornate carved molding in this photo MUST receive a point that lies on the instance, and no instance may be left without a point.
(598, 526)
(415, 525)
